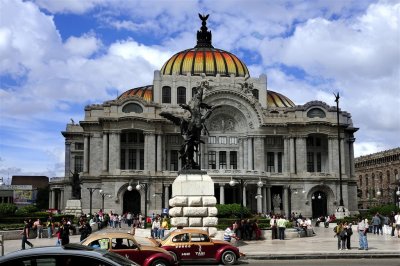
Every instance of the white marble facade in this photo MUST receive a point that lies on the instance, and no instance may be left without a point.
(253, 136)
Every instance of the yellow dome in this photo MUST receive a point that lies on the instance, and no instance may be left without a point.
(204, 58)
(275, 99)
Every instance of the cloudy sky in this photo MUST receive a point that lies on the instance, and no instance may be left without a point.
(56, 56)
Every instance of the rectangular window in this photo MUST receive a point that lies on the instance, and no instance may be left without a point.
(319, 162)
(181, 95)
(269, 141)
(233, 140)
(279, 162)
(233, 159)
(310, 162)
(212, 164)
(270, 162)
(222, 140)
(174, 161)
(222, 159)
(166, 94)
(141, 138)
(78, 146)
(132, 159)
(212, 140)
(132, 137)
(123, 137)
(78, 164)
(141, 166)
(122, 159)
(173, 139)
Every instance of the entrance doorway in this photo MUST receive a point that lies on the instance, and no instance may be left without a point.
(132, 201)
(319, 204)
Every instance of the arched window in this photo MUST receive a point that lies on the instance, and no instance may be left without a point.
(181, 95)
(166, 94)
(316, 112)
(132, 108)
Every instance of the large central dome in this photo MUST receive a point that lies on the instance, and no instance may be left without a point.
(204, 58)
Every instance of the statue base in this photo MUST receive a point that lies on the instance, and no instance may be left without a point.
(193, 202)
(73, 207)
(341, 212)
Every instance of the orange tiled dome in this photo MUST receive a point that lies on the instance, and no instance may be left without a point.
(146, 92)
(275, 99)
(204, 58)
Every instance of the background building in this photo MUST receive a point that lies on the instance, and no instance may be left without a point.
(256, 135)
(378, 178)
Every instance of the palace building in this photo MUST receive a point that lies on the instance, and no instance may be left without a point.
(378, 178)
(255, 135)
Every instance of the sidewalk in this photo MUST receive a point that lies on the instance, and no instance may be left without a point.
(322, 246)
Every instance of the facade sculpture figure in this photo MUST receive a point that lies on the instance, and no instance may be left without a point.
(192, 127)
(76, 186)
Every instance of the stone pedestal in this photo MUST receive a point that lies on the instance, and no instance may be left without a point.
(73, 207)
(341, 212)
(193, 202)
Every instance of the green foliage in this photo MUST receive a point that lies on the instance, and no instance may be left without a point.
(7, 209)
(384, 210)
(26, 210)
(232, 211)
(13, 226)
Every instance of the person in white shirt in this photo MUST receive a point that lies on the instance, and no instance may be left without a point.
(397, 221)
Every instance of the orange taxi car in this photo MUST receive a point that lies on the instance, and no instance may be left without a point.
(195, 245)
(126, 245)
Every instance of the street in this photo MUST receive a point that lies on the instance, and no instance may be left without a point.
(325, 262)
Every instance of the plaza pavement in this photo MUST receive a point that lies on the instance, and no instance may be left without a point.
(321, 246)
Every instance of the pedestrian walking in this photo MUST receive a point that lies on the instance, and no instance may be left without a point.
(349, 230)
(50, 226)
(64, 232)
(397, 220)
(362, 229)
(274, 228)
(25, 235)
(39, 228)
(376, 222)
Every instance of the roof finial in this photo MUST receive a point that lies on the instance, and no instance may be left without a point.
(203, 36)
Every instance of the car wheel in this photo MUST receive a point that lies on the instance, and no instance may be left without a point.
(173, 254)
(160, 263)
(228, 258)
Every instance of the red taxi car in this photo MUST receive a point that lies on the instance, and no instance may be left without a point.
(126, 245)
(195, 245)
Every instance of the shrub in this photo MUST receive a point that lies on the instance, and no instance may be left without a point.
(384, 210)
(232, 211)
(26, 210)
(7, 209)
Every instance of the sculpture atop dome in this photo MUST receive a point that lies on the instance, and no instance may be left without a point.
(203, 35)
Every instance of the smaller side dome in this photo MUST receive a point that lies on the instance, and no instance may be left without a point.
(145, 92)
(275, 99)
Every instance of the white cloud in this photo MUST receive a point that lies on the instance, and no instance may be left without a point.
(84, 46)
(70, 6)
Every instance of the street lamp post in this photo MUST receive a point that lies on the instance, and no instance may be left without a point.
(232, 183)
(339, 149)
(91, 190)
(144, 187)
(103, 195)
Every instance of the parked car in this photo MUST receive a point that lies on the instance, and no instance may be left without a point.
(195, 245)
(126, 245)
(68, 255)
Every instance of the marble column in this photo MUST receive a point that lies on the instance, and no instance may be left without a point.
(114, 151)
(62, 205)
(285, 199)
(268, 199)
(264, 199)
(245, 154)
(68, 158)
(301, 154)
(166, 196)
(250, 153)
(259, 154)
(53, 198)
(292, 156)
(330, 155)
(276, 162)
(259, 200)
(285, 155)
(50, 199)
(105, 152)
(335, 157)
(343, 157)
(149, 152)
(86, 153)
(159, 153)
(221, 193)
(244, 199)
(241, 153)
